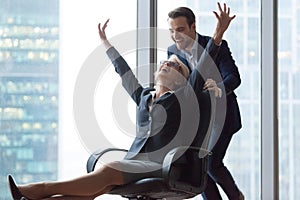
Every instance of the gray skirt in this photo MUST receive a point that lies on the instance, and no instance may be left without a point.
(138, 168)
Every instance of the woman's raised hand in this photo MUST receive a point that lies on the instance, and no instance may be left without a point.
(102, 34)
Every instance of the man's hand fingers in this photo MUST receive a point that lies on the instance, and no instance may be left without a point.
(215, 90)
(224, 7)
(210, 82)
(216, 14)
(220, 9)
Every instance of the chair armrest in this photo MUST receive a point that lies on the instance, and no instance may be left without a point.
(94, 157)
(173, 172)
(175, 153)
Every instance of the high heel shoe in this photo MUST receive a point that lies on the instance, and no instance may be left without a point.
(15, 192)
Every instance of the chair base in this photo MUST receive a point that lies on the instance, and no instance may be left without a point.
(150, 189)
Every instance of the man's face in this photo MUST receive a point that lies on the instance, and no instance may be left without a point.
(181, 33)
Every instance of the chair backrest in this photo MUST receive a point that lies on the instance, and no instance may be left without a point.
(210, 113)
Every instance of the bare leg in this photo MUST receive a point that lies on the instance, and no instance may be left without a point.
(59, 197)
(69, 198)
(89, 185)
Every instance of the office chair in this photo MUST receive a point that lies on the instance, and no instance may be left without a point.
(184, 169)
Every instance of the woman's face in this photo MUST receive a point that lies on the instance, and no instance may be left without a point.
(169, 73)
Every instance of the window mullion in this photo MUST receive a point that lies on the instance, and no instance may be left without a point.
(269, 99)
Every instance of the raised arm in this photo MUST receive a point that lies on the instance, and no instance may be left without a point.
(129, 81)
(206, 65)
(226, 64)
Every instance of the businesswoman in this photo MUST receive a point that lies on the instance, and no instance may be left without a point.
(168, 117)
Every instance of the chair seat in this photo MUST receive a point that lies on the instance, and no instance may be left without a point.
(183, 176)
(152, 188)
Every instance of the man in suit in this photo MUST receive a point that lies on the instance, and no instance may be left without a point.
(188, 47)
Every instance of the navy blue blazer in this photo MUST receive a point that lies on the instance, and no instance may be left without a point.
(230, 80)
(178, 118)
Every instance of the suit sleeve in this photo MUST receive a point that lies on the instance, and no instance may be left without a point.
(129, 81)
(204, 65)
(228, 69)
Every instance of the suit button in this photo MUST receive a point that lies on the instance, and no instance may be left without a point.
(148, 132)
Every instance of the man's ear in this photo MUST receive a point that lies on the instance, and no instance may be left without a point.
(193, 26)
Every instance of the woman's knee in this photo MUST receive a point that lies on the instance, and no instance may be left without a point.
(113, 173)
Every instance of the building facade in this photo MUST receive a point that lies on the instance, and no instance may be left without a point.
(29, 58)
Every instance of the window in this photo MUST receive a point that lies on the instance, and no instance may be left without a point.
(243, 157)
(288, 102)
(42, 49)
(29, 57)
(79, 43)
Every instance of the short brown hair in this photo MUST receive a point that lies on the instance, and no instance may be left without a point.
(183, 12)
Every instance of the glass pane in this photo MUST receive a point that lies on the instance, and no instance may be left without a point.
(80, 42)
(29, 58)
(243, 37)
(43, 46)
(289, 104)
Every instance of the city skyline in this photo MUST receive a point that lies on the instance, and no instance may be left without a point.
(29, 58)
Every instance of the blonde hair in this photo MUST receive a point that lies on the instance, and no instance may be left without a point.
(184, 71)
